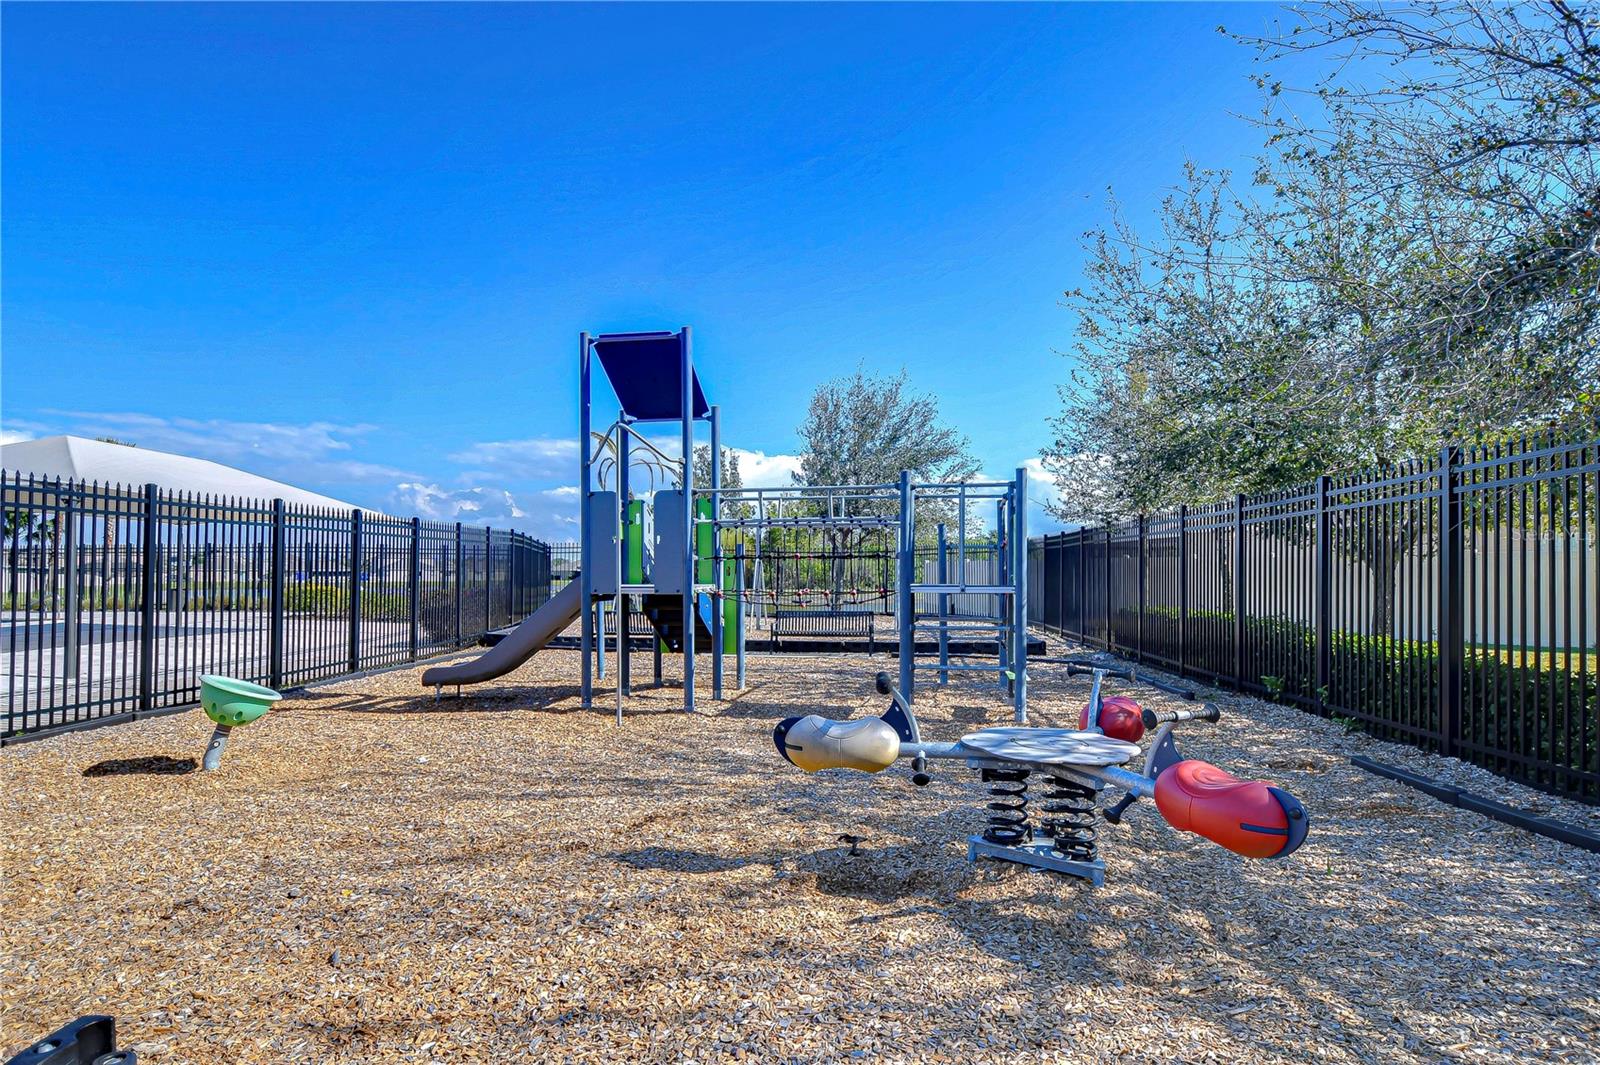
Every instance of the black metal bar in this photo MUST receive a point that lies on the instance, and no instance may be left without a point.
(1183, 588)
(459, 583)
(275, 600)
(355, 591)
(413, 582)
(147, 600)
(1110, 643)
(1238, 590)
(1451, 622)
(1138, 650)
(1322, 560)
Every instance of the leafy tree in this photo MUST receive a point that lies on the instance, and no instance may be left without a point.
(867, 428)
(1393, 277)
(1413, 262)
(702, 468)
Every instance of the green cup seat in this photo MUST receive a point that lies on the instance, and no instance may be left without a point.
(234, 702)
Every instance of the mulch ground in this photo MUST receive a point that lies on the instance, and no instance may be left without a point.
(507, 877)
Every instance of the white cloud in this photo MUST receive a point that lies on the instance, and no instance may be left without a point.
(534, 459)
(12, 436)
(550, 513)
(216, 438)
(1044, 491)
(760, 470)
(312, 454)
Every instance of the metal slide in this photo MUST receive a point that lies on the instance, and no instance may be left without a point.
(534, 632)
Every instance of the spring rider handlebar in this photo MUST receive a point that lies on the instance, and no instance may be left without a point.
(1251, 818)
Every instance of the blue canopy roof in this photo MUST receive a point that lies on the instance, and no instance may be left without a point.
(643, 370)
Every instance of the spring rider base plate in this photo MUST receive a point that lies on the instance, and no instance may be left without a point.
(1039, 854)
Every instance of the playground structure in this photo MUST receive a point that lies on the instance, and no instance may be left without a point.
(1251, 818)
(695, 570)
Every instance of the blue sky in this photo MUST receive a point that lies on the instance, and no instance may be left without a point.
(352, 246)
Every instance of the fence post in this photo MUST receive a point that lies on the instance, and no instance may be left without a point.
(1238, 590)
(1083, 585)
(488, 576)
(1183, 587)
(355, 590)
(413, 581)
(69, 566)
(458, 584)
(1452, 622)
(1138, 652)
(1323, 560)
(275, 603)
(1110, 633)
(147, 600)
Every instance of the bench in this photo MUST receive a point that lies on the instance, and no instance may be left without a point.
(825, 624)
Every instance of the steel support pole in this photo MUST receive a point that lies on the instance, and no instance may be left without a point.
(624, 503)
(275, 599)
(1002, 557)
(585, 578)
(738, 617)
(355, 591)
(488, 579)
(907, 611)
(944, 610)
(1019, 600)
(686, 409)
(716, 554)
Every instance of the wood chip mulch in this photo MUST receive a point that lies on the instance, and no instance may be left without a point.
(506, 877)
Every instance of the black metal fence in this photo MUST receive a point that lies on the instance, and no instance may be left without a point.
(1450, 603)
(116, 599)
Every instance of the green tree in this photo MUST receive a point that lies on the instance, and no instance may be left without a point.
(867, 428)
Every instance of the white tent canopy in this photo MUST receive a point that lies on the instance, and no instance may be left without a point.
(74, 458)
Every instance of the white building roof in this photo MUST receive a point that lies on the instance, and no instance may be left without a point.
(75, 458)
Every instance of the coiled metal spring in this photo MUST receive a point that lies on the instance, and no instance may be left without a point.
(1008, 811)
(1069, 819)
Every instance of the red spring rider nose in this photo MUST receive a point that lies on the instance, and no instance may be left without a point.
(1248, 817)
(1120, 718)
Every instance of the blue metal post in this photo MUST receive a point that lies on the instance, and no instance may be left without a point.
(944, 610)
(738, 616)
(585, 579)
(908, 646)
(624, 681)
(716, 554)
(1019, 599)
(686, 397)
(1002, 553)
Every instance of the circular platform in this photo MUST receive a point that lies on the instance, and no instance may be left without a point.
(1051, 746)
